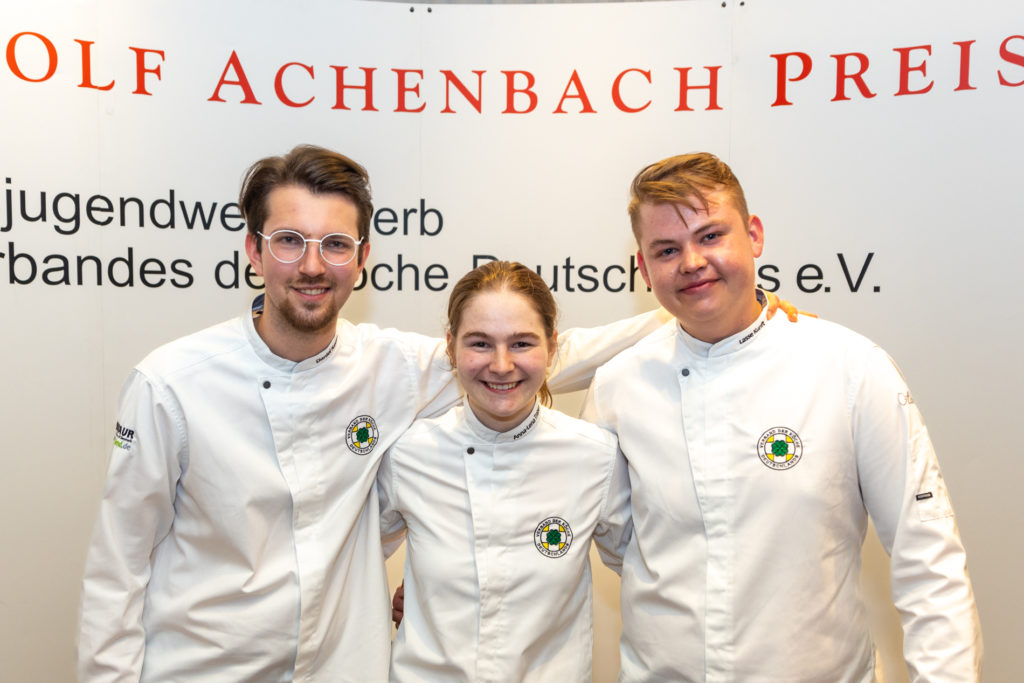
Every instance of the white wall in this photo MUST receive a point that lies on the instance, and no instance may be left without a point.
(927, 183)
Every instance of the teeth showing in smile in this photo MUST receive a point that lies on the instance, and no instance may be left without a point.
(501, 387)
(313, 292)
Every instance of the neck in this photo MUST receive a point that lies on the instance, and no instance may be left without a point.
(714, 331)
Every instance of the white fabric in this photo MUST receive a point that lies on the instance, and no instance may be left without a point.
(238, 538)
(743, 569)
(485, 598)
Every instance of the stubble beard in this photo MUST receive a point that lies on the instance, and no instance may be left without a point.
(309, 318)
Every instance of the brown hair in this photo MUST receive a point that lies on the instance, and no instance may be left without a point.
(684, 179)
(316, 169)
(501, 276)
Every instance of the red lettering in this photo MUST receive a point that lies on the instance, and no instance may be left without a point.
(617, 96)
(781, 77)
(578, 94)
(279, 85)
(87, 67)
(341, 87)
(684, 88)
(511, 91)
(236, 65)
(12, 60)
(965, 65)
(905, 70)
(451, 79)
(858, 78)
(403, 88)
(1012, 57)
(141, 70)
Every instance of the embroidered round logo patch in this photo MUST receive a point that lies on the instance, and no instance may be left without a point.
(361, 435)
(780, 448)
(553, 537)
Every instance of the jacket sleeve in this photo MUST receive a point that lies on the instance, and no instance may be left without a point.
(582, 350)
(136, 513)
(431, 375)
(392, 524)
(615, 527)
(906, 497)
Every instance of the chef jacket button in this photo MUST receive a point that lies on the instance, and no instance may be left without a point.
(471, 450)
(266, 385)
(686, 372)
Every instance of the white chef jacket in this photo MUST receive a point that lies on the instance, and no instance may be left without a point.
(754, 464)
(238, 535)
(497, 570)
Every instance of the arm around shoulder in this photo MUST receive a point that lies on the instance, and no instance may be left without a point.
(582, 350)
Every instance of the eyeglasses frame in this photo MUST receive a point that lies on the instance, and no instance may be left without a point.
(307, 240)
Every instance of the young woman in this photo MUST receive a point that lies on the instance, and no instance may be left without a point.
(499, 499)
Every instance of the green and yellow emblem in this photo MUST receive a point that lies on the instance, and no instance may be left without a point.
(780, 448)
(361, 436)
(553, 537)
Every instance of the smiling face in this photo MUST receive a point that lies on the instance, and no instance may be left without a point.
(303, 298)
(700, 263)
(501, 354)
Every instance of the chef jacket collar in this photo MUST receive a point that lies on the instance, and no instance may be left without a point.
(733, 344)
(272, 359)
(517, 433)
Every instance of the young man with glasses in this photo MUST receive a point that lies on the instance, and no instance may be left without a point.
(238, 538)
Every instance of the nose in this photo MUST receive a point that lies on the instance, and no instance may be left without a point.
(311, 264)
(501, 362)
(692, 260)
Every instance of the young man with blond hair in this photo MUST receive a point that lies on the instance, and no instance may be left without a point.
(757, 453)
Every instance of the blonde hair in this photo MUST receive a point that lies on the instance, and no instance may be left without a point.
(684, 179)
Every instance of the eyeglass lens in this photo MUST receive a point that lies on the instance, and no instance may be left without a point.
(287, 246)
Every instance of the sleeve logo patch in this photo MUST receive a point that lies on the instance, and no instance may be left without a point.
(553, 537)
(123, 437)
(362, 436)
(780, 448)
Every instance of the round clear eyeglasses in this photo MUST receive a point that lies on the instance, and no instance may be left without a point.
(288, 246)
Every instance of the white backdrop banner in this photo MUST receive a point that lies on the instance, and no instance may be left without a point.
(880, 142)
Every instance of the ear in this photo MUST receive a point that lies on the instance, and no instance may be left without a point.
(643, 268)
(756, 232)
(255, 257)
(449, 348)
(364, 254)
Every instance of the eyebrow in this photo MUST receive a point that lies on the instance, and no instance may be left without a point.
(661, 243)
(514, 335)
(712, 225)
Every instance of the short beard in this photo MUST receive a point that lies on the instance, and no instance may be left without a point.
(305, 321)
